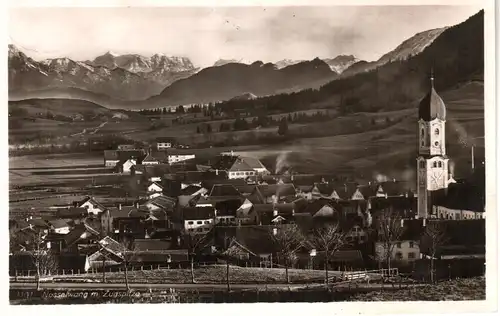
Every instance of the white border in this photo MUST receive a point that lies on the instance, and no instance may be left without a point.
(331, 308)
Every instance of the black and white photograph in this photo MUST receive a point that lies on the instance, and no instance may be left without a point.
(250, 154)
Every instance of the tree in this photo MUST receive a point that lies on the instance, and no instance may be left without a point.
(288, 239)
(389, 226)
(328, 238)
(434, 237)
(283, 127)
(195, 244)
(43, 259)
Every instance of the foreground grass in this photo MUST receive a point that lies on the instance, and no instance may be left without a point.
(210, 274)
(454, 290)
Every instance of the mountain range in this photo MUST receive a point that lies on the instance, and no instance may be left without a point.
(119, 76)
(134, 81)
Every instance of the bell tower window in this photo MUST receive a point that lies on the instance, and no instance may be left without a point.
(436, 131)
(434, 165)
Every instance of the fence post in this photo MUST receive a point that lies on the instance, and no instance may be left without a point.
(16, 275)
(62, 271)
(72, 272)
(78, 271)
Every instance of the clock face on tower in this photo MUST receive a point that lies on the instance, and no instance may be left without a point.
(436, 178)
(436, 144)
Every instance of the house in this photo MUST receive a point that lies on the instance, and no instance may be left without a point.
(239, 167)
(60, 226)
(74, 213)
(81, 234)
(406, 207)
(113, 157)
(109, 253)
(164, 143)
(272, 193)
(198, 220)
(407, 248)
(151, 173)
(92, 206)
(149, 159)
(244, 213)
(252, 244)
(225, 212)
(154, 187)
(161, 203)
(175, 156)
(224, 190)
(125, 166)
(459, 201)
(124, 220)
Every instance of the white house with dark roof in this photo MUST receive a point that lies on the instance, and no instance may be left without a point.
(91, 205)
(198, 220)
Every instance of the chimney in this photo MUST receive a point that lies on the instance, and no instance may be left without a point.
(424, 222)
(136, 204)
(402, 222)
(275, 212)
(119, 206)
(178, 240)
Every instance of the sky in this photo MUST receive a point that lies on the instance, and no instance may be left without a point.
(207, 34)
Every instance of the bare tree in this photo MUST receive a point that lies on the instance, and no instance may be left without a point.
(127, 254)
(288, 239)
(434, 237)
(195, 243)
(389, 226)
(328, 238)
(43, 258)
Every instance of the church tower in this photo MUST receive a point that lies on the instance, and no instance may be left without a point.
(432, 162)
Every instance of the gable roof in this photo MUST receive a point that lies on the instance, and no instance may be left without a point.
(164, 202)
(152, 245)
(147, 158)
(112, 246)
(227, 207)
(277, 189)
(59, 223)
(93, 201)
(224, 190)
(195, 213)
(75, 234)
(72, 212)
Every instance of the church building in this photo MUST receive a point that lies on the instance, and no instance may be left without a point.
(432, 162)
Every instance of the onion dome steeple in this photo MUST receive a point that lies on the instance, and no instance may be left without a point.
(432, 106)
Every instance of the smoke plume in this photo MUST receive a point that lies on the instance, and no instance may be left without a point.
(282, 162)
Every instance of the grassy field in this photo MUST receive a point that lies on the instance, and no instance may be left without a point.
(213, 274)
(454, 290)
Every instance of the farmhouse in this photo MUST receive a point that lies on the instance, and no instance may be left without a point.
(125, 166)
(198, 220)
(239, 167)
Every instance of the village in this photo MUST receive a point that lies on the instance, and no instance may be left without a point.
(232, 209)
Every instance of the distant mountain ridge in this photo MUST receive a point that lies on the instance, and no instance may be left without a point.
(234, 79)
(128, 77)
(408, 48)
